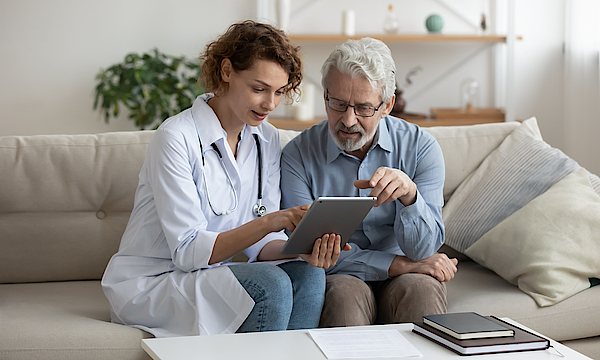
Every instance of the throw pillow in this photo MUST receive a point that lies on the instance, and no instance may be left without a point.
(549, 248)
(519, 170)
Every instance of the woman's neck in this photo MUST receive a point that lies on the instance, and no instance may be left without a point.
(229, 123)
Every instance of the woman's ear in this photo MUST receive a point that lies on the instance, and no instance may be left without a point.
(226, 70)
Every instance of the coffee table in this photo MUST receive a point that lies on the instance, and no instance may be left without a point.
(297, 345)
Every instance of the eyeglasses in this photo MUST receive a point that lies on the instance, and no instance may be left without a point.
(364, 110)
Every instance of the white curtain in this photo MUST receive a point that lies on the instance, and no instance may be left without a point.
(582, 82)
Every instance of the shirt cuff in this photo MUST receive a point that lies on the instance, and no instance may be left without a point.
(381, 262)
(204, 244)
(414, 209)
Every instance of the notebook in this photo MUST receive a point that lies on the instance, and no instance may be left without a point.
(521, 341)
(467, 325)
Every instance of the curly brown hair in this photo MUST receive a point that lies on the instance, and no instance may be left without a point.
(245, 42)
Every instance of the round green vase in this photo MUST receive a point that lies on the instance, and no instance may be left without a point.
(434, 23)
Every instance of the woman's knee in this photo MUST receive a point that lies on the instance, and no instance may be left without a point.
(304, 277)
(265, 282)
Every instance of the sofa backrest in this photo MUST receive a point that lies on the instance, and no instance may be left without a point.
(464, 147)
(65, 199)
(64, 203)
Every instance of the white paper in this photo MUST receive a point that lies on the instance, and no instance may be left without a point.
(357, 344)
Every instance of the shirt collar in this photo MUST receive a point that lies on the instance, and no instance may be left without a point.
(382, 138)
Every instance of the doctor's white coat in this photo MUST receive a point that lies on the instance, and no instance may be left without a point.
(160, 280)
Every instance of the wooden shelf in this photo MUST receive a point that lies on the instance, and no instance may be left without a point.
(401, 37)
(292, 124)
(299, 125)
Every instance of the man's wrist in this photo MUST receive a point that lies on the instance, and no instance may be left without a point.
(400, 265)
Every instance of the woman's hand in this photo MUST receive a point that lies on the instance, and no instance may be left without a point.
(286, 219)
(326, 251)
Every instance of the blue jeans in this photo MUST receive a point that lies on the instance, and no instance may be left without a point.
(287, 296)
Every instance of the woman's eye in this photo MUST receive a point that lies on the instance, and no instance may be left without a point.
(279, 92)
(258, 89)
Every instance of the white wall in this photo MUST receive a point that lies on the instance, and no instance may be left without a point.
(50, 52)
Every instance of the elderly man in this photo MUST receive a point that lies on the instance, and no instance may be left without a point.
(391, 272)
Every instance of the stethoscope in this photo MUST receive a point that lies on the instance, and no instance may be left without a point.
(258, 209)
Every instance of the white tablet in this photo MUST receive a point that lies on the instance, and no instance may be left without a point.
(328, 215)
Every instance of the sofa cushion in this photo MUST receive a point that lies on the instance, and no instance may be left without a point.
(76, 188)
(63, 320)
(550, 247)
(520, 169)
(478, 289)
(465, 147)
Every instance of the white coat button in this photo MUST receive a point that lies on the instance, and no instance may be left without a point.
(100, 214)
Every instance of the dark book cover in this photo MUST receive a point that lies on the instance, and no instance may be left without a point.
(521, 341)
(467, 325)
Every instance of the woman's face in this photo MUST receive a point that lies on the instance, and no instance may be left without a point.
(252, 94)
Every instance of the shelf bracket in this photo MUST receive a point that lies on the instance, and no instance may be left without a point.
(446, 73)
(459, 13)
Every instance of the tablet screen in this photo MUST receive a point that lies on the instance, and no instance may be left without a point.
(328, 215)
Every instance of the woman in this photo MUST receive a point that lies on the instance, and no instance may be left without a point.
(208, 189)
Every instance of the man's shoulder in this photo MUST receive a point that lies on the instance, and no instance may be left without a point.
(311, 138)
(400, 128)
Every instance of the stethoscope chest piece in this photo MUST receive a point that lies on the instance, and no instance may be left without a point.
(259, 209)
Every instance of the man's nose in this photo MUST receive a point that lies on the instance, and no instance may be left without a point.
(349, 118)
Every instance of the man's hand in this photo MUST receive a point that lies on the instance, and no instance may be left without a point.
(437, 265)
(326, 251)
(388, 185)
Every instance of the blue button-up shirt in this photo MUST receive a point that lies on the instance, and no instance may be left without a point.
(312, 165)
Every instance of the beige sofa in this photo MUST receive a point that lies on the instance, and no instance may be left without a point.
(65, 201)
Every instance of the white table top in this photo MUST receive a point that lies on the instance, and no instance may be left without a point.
(298, 345)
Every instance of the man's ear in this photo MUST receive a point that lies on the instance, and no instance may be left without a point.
(388, 107)
(226, 70)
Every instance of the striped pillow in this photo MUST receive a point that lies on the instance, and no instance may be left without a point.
(520, 169)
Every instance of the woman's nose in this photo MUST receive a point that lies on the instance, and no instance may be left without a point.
(270, 102)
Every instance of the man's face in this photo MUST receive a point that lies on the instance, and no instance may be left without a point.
(352, 132)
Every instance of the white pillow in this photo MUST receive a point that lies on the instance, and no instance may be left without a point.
(520, 169)
(551, 247)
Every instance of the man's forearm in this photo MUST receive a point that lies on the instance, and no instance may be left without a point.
(401, 265)
(438, 265)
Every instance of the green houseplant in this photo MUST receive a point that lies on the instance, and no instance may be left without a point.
(153, 86)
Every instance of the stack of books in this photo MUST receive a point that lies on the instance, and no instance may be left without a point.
(473, 334)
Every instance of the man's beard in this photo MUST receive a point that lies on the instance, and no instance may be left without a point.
(350, 145)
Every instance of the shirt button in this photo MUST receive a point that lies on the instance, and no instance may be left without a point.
(368, 228)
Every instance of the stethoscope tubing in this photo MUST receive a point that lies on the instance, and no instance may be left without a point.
(259, 209)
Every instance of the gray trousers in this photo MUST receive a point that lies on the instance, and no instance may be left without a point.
(350, 301)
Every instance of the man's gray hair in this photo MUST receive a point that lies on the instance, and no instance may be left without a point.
(366, 57)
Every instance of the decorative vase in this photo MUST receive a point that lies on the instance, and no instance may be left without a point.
(284, 10)
(434, 23)
(348, 23)
(469, 95)
(390, 23)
